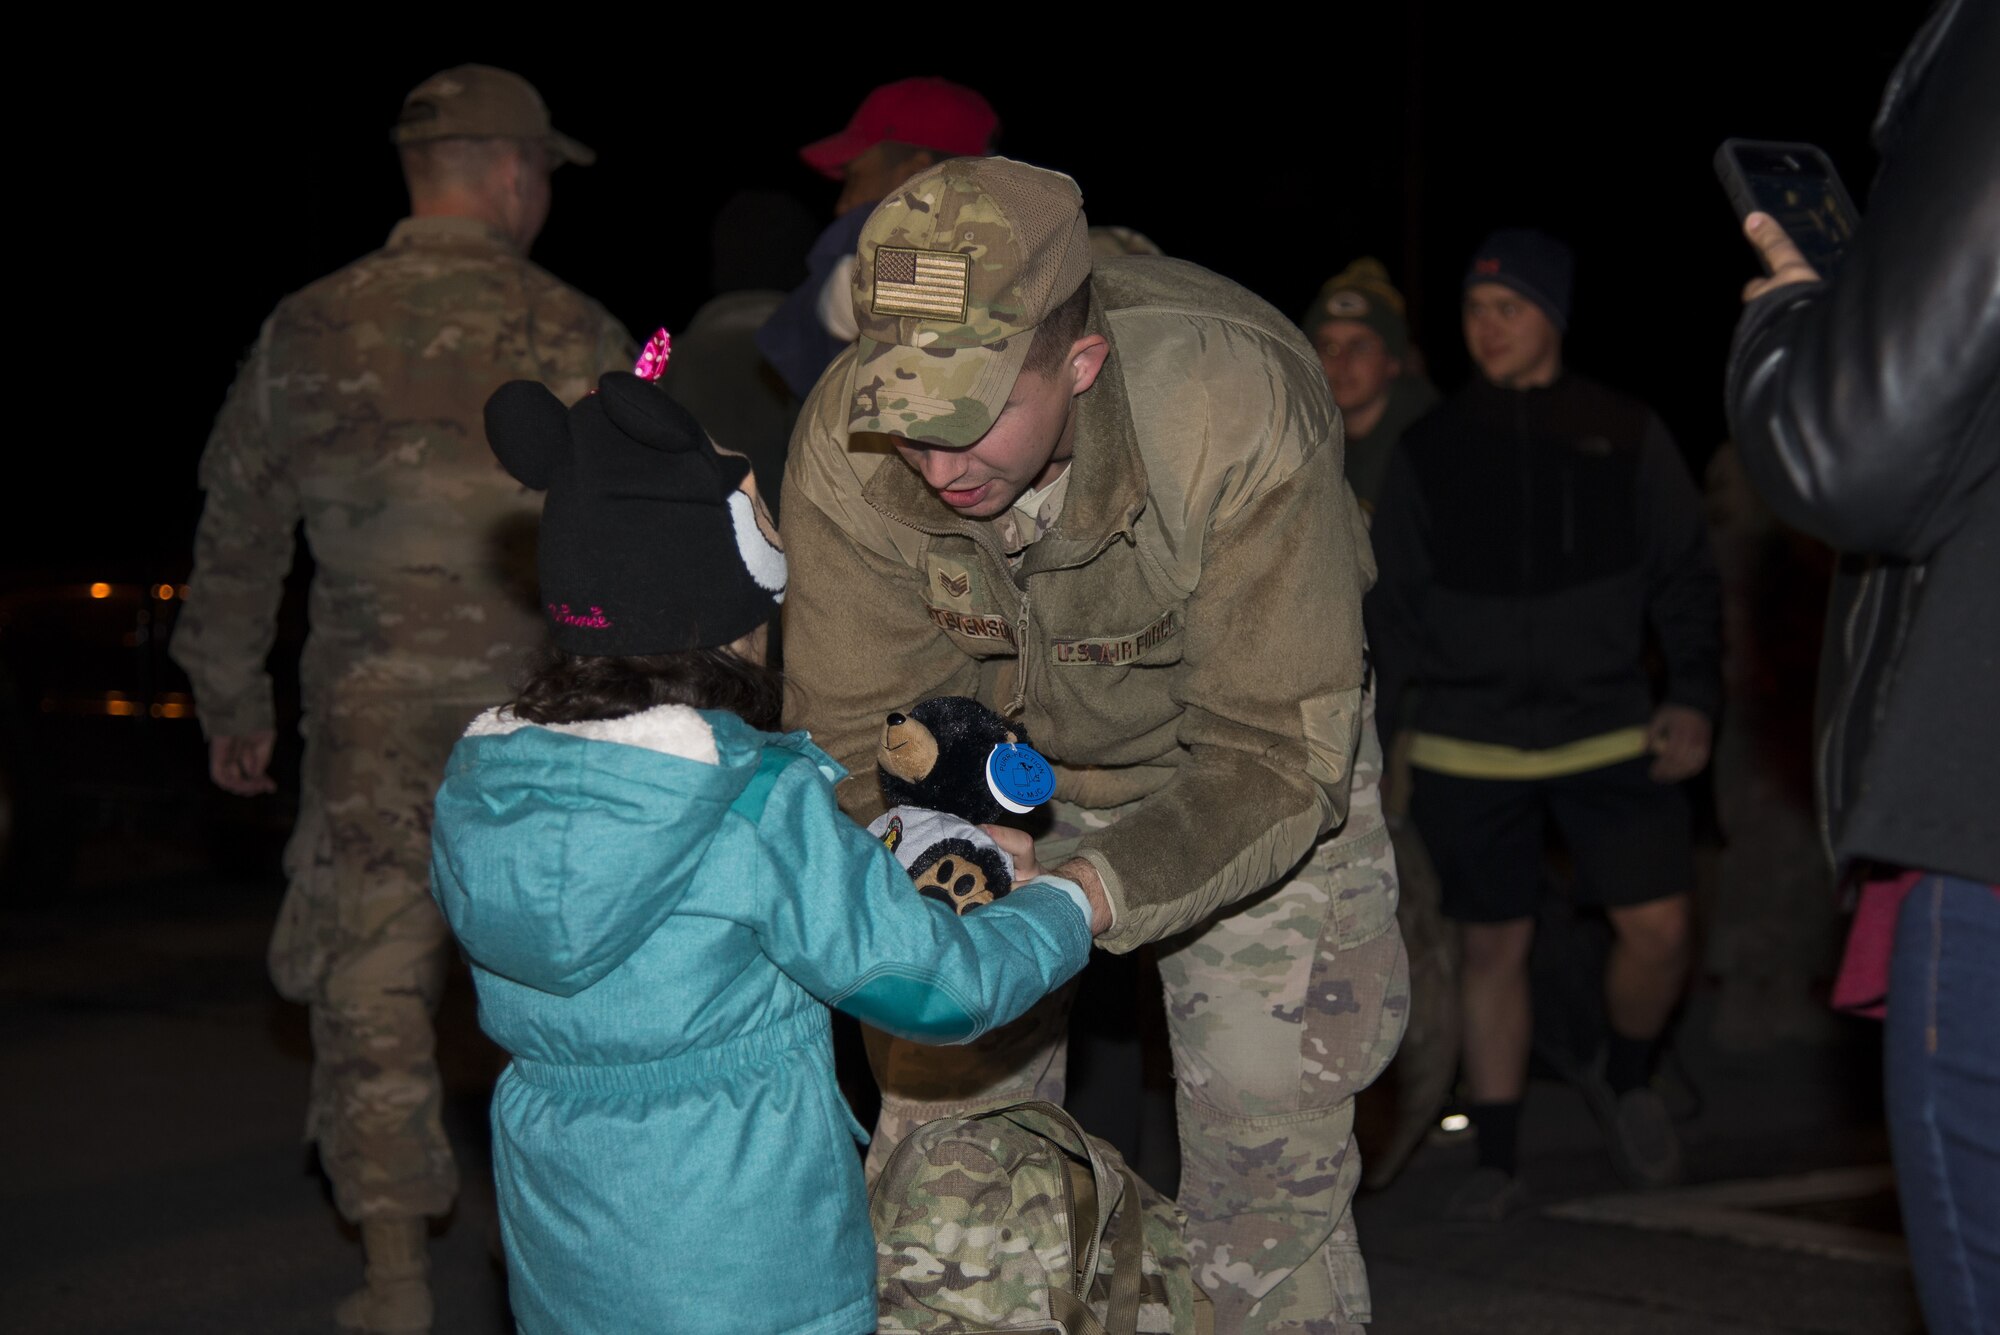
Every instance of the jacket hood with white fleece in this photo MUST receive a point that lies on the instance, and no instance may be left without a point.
(586, 870)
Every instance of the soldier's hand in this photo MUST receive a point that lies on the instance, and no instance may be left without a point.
(1084, 873)
(242, 765)
(1679, 737)
(1787, 265)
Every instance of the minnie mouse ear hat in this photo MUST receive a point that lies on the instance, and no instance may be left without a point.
(647, 545)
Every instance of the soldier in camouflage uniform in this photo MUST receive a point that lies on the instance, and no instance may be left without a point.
(1119, 516)
(358, 412)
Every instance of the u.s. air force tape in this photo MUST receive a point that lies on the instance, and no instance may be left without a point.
(1019, 778)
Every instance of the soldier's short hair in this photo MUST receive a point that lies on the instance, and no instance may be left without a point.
(1055, 335)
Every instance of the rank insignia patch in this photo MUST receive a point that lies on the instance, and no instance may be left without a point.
(924, 284)
(951, 584)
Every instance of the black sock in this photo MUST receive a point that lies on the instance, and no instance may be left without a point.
(1628, 1062)
(1499, 1128)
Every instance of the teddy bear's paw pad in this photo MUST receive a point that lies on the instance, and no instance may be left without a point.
(959, 884)
(957, 880)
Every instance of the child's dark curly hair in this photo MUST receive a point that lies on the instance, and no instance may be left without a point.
(573, 688)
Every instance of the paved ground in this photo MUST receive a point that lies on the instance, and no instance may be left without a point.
(151, 1176)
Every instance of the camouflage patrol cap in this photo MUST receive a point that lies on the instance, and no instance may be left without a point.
(954, 272)
(481, 102)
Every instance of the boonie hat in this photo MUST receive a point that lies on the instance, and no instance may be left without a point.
(954, 272)
(930, 113)
(481, 102)
(1362, 293)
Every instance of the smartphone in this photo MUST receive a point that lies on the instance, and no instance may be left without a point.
(1795, 184)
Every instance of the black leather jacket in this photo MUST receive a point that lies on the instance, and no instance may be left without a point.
(1867, 410)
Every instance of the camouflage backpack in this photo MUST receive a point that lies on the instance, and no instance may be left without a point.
(1012, 1218)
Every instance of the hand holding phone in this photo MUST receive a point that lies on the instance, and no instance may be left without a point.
(1797, 187)
(1783, 262)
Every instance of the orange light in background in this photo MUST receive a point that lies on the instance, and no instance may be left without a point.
(121, 708)
(170, 710)
(165, 593)
(100, 590)
(183, 592)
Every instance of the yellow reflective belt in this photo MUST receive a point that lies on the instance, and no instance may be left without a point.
(1486, 760)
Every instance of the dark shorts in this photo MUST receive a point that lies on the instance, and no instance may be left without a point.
(1628, 837)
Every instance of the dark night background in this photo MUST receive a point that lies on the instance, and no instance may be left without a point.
(178, 182)
(215, 183)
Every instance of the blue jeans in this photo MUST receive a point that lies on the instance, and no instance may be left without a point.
(1942, 1070)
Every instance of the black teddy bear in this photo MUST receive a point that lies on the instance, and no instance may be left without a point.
(947, 767)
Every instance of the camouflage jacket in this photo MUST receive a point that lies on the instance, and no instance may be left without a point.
(1188, 632)
(359, 412)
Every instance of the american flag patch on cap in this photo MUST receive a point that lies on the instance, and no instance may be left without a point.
(926, 284)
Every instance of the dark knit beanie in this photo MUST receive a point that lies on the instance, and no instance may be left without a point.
(1533, 263)
(1363, 293)
(647, 545)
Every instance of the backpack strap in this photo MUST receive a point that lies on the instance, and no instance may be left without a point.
(1121, 1310)
(1204, 1310)
(1077, 1319)
(749, 803)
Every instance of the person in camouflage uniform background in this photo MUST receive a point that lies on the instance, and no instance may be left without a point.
(1160, 574)
(359, 413)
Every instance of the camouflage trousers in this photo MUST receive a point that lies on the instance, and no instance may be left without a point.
(361, 943)
(1399, 1110)
(1279, 1012)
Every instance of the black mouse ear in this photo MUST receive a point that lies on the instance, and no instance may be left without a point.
(642, 410)
(528, 428)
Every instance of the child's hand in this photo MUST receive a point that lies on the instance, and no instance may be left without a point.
(1018, 846)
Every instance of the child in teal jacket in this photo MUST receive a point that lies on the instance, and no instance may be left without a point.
(660, 900)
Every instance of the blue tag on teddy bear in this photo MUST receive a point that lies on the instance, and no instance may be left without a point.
(1019, 778)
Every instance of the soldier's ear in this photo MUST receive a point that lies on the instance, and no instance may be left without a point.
(528, 428)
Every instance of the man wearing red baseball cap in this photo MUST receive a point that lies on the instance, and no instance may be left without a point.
(899, 129)
(897, 126)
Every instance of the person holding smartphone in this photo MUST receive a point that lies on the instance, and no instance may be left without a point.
(1867, 410)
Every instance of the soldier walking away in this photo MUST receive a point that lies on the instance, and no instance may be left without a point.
(1524, 626)
(1105, 497)
(358, 413)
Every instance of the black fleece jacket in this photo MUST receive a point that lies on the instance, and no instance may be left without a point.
(1526, 539)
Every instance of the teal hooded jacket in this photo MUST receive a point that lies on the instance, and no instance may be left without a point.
(655, 909)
